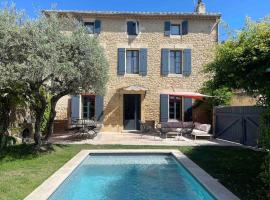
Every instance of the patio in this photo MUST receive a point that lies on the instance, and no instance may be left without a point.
(137, 139)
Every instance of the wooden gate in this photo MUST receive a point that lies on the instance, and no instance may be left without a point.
(238, 124)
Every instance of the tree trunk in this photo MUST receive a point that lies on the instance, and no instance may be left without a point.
(5, 115)
(39, 108)
(49, 126)
(54, 100)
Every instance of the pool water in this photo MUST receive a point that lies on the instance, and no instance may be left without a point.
(130, 177)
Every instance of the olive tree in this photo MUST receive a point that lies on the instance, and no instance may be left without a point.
(80, 66)
(49, 56)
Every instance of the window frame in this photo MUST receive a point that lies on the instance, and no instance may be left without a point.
(181, 61)
(138, 61)
(135, 23)
(86, 24)
(91, 99)
(180, 29)
(181, 111)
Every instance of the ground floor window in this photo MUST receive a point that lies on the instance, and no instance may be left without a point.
(175, 108)
(88, 106)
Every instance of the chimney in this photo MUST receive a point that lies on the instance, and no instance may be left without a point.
(200, 9)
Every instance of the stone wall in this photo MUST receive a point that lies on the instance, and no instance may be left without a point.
(113, 36)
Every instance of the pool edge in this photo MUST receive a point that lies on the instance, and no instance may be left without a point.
(44, 191)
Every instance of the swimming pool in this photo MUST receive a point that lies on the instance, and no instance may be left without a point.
(130, 176)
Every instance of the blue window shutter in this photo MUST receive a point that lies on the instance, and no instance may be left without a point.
(187, 62)
(143, 61)
(97, 26)
(165, 56)
(99, 103)
(167, 28)
(137, 30)
(121, 61)
(187, 109)
(164, 107)
(75, 107)
(184, 27)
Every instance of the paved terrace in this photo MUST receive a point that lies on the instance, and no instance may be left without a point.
(137, 139)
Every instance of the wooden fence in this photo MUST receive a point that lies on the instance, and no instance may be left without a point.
(238, 124)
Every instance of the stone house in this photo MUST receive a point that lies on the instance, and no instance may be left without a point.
(155, 66)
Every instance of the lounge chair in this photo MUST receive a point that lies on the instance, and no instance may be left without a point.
(201, 130)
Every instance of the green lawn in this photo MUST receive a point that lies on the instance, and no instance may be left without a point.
(21, 171)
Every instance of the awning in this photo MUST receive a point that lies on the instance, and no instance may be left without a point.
(192, 95)
(134, 89)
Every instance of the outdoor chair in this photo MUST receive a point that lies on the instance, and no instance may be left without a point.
(201, 130)
(148, 128)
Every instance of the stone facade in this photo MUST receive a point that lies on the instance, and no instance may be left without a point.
(201, 39)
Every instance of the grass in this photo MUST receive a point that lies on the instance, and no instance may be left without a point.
(22, 169)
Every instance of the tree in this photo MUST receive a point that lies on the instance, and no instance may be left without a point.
(243, 62)
(11, 88)
(80, 66)
(47, 58)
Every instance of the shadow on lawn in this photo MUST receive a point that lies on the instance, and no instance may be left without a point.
(27, 151)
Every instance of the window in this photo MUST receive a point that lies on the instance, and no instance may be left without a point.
(132, 62)
(132, 28)
(175, 62)
(90, 26)
(88, 107)
(175, 108)
(175, 29)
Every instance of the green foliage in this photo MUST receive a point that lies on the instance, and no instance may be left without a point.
(221, 96)
(265, 130)
(51, 54)
(242, 61)
(6, 140)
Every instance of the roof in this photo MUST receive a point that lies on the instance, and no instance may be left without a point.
(137, 14)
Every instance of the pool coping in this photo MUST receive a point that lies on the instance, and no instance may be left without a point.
(44, 191)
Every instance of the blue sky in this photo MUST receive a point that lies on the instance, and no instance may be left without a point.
(233, 11)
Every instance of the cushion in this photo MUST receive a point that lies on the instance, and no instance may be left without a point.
(188, 125)
(172, 125)
(200, 133)
(202, 127)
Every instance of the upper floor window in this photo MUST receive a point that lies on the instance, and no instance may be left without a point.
(175, 62)
(132, 62)
(90, 26)
(175, 29)
(93, 27)
(181, 28)
(132, 27)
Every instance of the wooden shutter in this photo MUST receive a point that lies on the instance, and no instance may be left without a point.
(75, 107)
(130, 28)
(99, 104)
(165, 56)
(121, 61)
(187, 62)
(187, 109)
(143, 62)
(167, 28)
(184, 27)
(137, 30)
(164, 107)
(97, 26)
